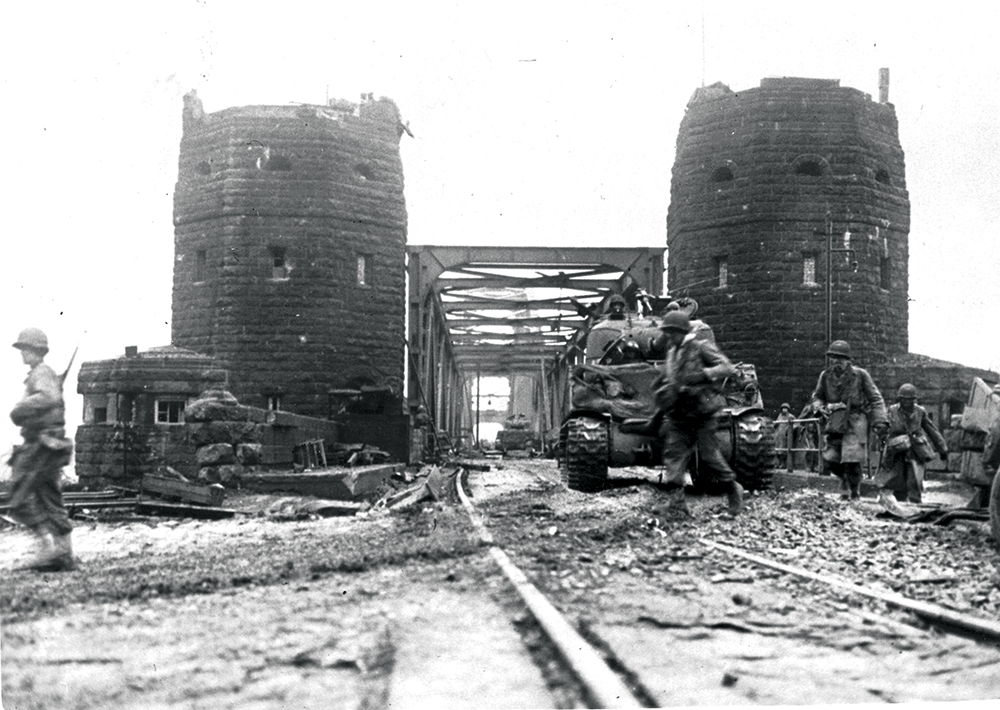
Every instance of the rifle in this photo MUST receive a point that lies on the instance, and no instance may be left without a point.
(880, 450)
(62, 378)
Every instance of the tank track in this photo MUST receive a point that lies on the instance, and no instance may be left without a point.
(587, 454)
(754, 455)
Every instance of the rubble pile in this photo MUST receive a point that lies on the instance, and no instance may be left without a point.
(228, 442)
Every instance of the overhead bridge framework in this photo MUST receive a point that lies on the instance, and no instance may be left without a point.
(509, 311)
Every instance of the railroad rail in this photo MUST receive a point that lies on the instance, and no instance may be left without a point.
(609, 680)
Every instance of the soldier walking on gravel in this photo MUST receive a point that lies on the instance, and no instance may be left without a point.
(36, 465)
(912, 439)
(690, 400)
(846, 395)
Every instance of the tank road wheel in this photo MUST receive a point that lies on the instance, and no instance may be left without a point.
(753, 451)
(587, 454)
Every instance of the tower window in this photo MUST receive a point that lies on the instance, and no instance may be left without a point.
(279, 263)
(885, 273)
(723, 174)
(279, 163)
(274, 402)
(809, 167)
(203, 168)
(882, 175)
(809, 269)
(201, 259)
(363, 270)
(364, 172)
(722, 271)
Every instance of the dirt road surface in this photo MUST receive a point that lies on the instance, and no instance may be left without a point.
(406, 610)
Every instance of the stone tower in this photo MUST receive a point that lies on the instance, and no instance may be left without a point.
(764, 180)
(290, 249)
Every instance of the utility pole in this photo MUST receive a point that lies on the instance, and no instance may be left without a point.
(830, 249)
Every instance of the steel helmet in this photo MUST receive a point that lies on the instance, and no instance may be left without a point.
(839, 348)
(688, 304)
(32, 338)
(675, 320)
(617, 298)
(907, 391)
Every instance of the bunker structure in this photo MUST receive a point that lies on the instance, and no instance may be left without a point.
(789, 224)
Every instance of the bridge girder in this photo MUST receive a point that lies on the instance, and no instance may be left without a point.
(505, 311)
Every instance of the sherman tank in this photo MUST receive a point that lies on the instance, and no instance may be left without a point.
(517, 435)
(613, 420)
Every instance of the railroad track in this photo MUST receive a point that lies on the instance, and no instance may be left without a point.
(611, 660)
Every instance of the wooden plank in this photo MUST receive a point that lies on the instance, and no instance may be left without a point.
(151, 507)
(198, 493)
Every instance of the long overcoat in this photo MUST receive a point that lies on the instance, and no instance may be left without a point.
(856, 389)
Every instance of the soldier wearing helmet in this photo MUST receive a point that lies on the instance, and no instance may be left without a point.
(36, 465)
(616, 307)
(847, 398)
(910, 440)
(689, 399)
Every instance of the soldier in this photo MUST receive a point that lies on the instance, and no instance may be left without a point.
(846, 395)
(908, 448)
(36, 465)
(616, 307)
(699, 328)
(690, 399)
(784, 437)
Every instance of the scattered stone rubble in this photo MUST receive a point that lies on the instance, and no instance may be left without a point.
(228, 442)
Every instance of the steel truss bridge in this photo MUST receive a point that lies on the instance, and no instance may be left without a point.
(516, 312)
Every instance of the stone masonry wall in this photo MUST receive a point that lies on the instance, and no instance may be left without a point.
(755, 177)
(273, 208)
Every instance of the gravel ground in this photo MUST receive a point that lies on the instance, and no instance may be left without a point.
(697, 626)
(274, 610)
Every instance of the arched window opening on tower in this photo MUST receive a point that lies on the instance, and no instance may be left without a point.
(723, 174)
(200, 262)
(885, 273)
(809, 269)
(364, 171)
(203, 168)
(812, 168)
(279, 263)
(882, 176)
(722, 271)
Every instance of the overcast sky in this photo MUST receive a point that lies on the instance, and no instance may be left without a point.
(534, 123)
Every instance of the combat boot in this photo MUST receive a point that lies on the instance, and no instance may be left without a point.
(735, 498)
(62, 555)
(43, 552)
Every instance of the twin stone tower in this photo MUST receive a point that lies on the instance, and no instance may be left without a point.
(290, 237)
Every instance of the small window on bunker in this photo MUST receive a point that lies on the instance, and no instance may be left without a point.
(811, 168)
(723, 174)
